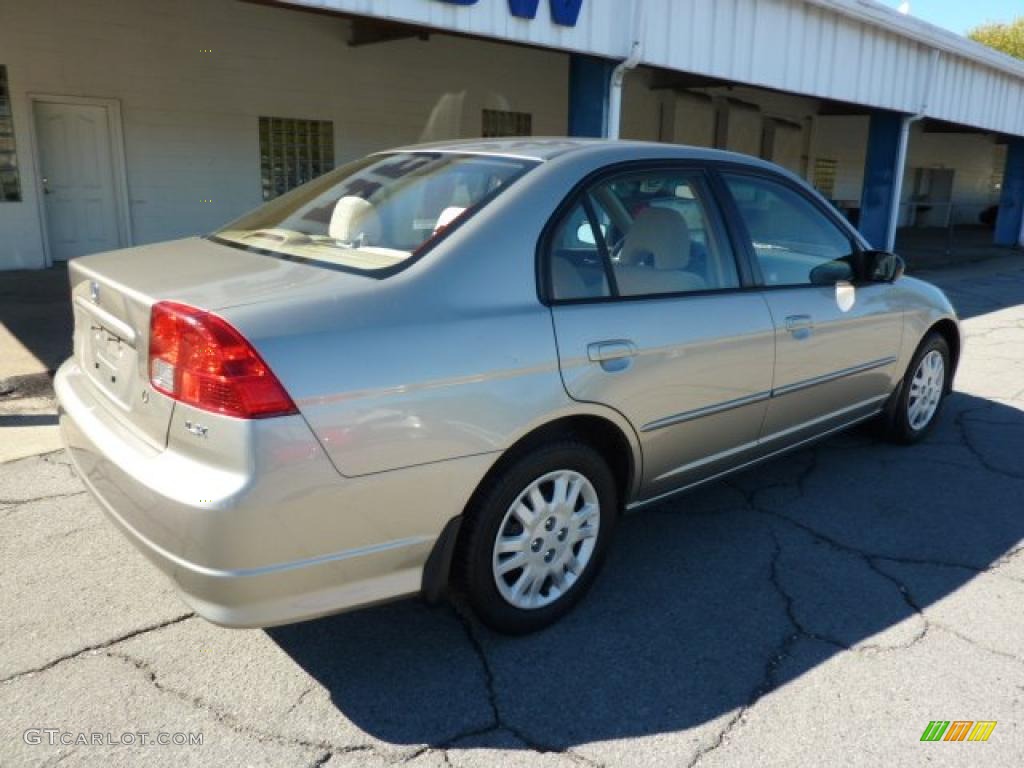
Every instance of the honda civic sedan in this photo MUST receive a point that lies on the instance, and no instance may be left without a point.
(458, 365)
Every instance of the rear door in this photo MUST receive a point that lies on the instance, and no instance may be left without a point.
(837, 338)
(654, 318)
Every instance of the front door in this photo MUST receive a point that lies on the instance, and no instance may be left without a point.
(77, 177)
(651, 320)
(837, 338)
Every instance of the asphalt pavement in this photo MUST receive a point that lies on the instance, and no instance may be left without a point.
(35, 338)
(821, 609)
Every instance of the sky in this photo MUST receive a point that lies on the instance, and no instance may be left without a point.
(962, 15)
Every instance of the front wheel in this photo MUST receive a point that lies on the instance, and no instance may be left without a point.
(535, 538)
(913, 412)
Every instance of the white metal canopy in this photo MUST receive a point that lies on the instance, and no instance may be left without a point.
(855, 51)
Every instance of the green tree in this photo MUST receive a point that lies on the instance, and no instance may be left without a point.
(1008, 38)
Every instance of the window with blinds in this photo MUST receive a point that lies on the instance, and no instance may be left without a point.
(10, 182)
(293, 152)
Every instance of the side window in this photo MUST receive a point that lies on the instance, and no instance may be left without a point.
(577, 268)
(795, 243)
(654, 235)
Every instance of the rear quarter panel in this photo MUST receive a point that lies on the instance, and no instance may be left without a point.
(384, 388)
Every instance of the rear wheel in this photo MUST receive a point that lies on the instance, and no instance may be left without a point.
(916, 405)
(536, 536)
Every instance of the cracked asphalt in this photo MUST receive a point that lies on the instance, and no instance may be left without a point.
(818, 610)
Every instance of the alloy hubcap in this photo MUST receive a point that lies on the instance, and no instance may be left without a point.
(926, 390)
(546, 539)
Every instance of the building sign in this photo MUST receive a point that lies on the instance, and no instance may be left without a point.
(564, 12)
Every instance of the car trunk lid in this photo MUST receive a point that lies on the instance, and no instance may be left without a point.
(112, 297)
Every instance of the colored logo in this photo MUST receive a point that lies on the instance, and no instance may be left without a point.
(958, 730)
(563, 12)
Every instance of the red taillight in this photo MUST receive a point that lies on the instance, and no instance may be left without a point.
(199, 359)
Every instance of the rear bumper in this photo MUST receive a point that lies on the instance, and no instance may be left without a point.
(281, 537)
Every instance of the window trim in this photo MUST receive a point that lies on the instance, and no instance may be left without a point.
(736, 221)
(580, 194)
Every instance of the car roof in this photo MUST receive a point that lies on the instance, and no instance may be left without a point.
(547, 148)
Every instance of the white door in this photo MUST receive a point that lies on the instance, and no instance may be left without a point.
(77, 175)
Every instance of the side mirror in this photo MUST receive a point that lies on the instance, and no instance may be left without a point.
(883, 267)
(832, 272)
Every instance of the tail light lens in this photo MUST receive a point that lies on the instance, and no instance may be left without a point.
(199, 359)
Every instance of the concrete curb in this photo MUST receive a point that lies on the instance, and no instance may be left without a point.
(27, 385)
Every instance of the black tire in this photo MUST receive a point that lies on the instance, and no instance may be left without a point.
(475, 552)
(897, 423)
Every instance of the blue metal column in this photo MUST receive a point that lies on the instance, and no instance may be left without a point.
(1011, 205)
(878, 197)
(589, 78)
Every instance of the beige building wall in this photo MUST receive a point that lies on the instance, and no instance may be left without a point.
(190, 117)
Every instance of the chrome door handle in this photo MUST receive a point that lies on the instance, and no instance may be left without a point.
(799, 325)
(604, 351)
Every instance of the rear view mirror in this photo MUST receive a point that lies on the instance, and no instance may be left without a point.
(883, 267)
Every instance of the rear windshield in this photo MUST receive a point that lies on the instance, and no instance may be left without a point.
(374, 214)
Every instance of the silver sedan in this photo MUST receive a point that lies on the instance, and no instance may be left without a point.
(459, 364)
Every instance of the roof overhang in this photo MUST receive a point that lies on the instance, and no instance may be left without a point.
(856, 52)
